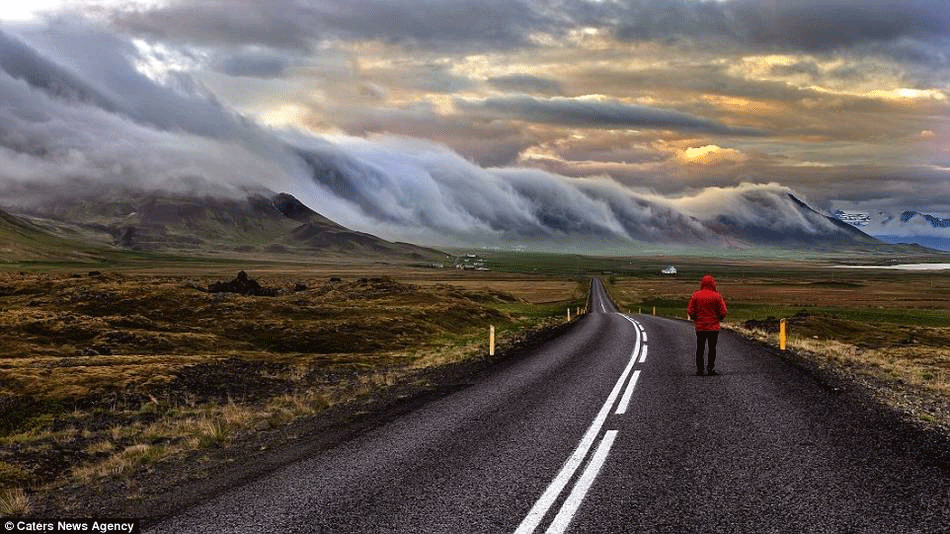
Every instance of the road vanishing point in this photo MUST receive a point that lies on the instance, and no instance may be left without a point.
(607, 429)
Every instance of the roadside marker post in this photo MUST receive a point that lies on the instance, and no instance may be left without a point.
(568, 314)
(491, 340)
(781, 334)
(654, 310)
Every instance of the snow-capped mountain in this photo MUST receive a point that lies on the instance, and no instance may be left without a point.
(854, 218)
(936, 222)
(909, 227)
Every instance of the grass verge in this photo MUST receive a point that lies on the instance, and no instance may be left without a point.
(104, 377)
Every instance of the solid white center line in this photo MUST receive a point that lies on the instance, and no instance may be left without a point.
(574, 500)
(554, 489)
(625, 400)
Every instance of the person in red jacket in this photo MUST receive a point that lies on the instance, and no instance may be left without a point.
(706, 308)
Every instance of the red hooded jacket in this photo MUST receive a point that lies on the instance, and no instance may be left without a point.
(706, 306)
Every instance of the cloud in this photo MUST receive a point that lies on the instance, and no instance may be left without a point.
(127, 130)
(278, 24)
(591, 112)
(915, 31)
(122, 129)
(298, 24)
(490, 23)
(415, 188)
(102, 69)
(22, 62)
(787, 25)
(428, 77)
(252, 65)
(526, 83)
(761, 206)
(711, 155)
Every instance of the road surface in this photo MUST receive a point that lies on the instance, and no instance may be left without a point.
(607, 429)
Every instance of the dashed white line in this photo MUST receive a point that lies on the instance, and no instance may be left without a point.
(574, 500)
(625, 400)
(541, 507)
(534, 517)
(643, 354)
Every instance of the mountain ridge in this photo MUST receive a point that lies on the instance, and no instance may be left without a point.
(156, 222)
(910, 227)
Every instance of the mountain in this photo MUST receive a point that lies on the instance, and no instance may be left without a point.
(909, 227)
(935, 222)
(22, 240)
(798, 227)
(260, 222)
(854, 218)
(88, 142)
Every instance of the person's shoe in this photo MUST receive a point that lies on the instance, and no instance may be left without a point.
(711, 373)
(699, 373)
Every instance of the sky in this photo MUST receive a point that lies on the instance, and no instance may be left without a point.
(843, 102)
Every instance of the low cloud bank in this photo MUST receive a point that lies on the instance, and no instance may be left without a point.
(65, 120)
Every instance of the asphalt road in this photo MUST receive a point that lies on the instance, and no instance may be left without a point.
(607, 429)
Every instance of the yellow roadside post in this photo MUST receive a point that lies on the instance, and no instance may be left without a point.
(491, 340)
(568, 314)
(781, 334)
(654, 310)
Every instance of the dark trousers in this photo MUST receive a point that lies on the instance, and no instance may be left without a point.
(702, 338)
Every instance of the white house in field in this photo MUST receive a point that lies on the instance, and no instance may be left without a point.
(670, 271)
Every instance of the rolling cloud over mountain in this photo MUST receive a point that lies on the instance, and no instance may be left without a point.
(845, 102)
(79, 116)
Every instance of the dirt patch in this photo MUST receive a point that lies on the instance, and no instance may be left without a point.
(231, 380)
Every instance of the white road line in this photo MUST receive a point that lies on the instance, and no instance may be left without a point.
(554, 489)
(644, 336)
(574, 500)
(643, 355)
(625, 400)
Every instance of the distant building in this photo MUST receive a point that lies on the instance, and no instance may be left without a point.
(669, 271)
(471, 262)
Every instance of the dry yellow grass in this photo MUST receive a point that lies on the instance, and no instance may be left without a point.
(914, 379)
(128, 370)
(534, 291)
(14, 502)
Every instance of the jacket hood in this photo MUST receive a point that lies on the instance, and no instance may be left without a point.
(708, 282)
